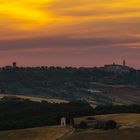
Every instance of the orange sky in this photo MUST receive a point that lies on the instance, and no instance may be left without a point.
(68, 32)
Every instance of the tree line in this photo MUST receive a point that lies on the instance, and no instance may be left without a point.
(21, 113)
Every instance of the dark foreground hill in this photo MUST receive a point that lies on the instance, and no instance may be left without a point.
(17, 113)
(129, 129)
(128, 132)
(105, 85)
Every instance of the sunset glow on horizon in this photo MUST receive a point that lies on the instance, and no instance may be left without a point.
(70, 32)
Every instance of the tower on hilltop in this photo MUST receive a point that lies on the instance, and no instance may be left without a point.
(14, 64)
(124, 63)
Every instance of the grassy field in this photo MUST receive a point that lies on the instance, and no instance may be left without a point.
(37, 99)
(121, 134)
(125, 120)
(129, 130)
(42, 133)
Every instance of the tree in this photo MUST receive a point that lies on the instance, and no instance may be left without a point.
(83, 125)
(111, 124)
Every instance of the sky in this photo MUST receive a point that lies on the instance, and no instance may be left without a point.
(69, 32)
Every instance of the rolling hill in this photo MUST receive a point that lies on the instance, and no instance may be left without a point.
(111, 84)
(125, 120)
(129, 130)
(40, 133)
(128, 134)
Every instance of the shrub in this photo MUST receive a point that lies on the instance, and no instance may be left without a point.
(83, 125)
(91, 118)
(111, 124)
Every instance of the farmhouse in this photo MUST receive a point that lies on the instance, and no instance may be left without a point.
(98, 124)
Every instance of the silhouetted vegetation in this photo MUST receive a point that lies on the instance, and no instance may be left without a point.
(111, 124)
(91, 118)
(15, 114)
(99, 110)
(18, 113)
(97, 124)
(82, 125)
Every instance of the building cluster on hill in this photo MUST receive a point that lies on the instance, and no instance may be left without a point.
(14, 65)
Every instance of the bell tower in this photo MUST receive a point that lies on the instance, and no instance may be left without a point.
(14, 64)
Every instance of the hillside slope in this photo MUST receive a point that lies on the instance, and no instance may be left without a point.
(125, 120)
(125, 134)
(105, 85)
(42, 133)
(129, 130)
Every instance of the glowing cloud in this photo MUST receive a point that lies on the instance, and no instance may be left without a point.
(54, 15)
(76, 25)
(23, 14)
